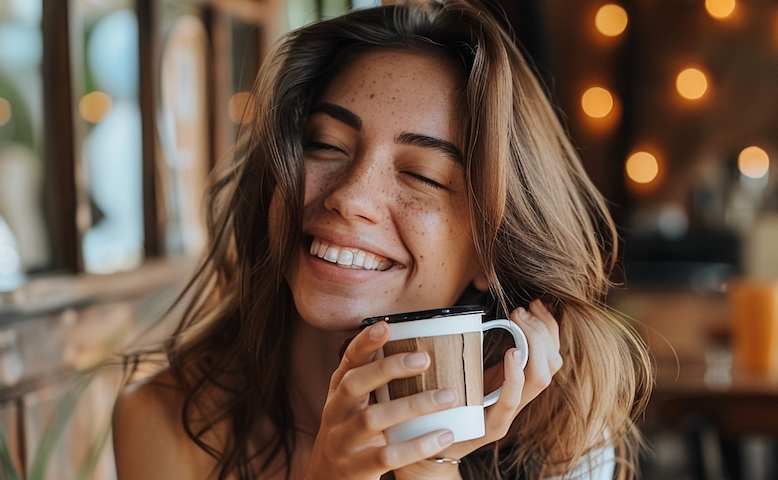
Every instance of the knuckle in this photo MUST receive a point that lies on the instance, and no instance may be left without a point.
(557, 362)
(386, 366)
(385, 458)
(369, 420)
(420, 403)
(349, 384)
(541, 379)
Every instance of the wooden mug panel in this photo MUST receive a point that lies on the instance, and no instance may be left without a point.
(455, 362)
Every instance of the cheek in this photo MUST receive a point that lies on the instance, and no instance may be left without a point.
(440, 233)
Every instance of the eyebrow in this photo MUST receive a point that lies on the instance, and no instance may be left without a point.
(339, 113)
(425, 141)
(413, 139)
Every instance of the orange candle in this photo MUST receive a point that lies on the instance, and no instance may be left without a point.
(755, 322)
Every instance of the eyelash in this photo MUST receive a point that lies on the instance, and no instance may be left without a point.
(313, 145)
(425, 180)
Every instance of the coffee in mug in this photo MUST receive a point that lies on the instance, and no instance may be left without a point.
(453, 339)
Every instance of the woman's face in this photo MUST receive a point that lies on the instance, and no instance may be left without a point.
(386, 226)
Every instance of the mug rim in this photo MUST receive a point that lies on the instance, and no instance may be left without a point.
(423, 314)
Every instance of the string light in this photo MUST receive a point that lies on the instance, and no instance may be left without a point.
(691, 83)
(597, 102)
(720, 8)
(611, 20)
(753, 162)
(5, 111)
(94, 106)
(642, 167)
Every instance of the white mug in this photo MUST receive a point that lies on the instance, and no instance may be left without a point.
(453, 338)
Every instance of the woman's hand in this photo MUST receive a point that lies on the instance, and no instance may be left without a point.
(351, 443)
(520, 387)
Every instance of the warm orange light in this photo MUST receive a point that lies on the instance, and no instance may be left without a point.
(642, 167)
(611, 20)
(691, 83)
(753, 162)
(5, 111)
(241, 108)
(94, 106)
(719, 8)
(597, 102)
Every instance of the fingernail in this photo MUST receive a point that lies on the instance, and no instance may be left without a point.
(445, 439)
(523, 314)
(445, 396)
(377, 330)
(415, 360)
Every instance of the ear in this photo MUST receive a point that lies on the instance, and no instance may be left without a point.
(480, 282)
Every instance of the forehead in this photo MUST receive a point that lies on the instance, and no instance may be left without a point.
(396, 83)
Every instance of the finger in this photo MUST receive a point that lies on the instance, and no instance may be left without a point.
(378, 417)
(396, 455)
(542, 313)
(541, 353)
(361, 350)
(500, 416)
(540, 331)
(359, 382)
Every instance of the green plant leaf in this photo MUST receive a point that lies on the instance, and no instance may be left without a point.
(53, 431)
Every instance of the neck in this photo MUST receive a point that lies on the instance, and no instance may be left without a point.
(314, 359)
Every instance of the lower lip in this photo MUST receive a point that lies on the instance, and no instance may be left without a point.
(334, 272)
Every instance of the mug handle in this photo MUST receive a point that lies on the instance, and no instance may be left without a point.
(521, 344)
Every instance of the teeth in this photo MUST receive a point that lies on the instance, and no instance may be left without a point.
(349, 257)
(346, 257)
(331, 255)
(359, 259)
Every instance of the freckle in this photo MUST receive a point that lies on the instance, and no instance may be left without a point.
(372, 95)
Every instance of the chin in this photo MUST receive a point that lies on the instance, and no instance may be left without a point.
(333, 318)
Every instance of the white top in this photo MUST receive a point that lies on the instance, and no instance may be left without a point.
(598, 464)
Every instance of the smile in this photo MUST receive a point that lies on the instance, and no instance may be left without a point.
(349, 257)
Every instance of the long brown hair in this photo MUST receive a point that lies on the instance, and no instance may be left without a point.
(540, 227)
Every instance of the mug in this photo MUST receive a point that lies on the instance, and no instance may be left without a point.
(453, 337)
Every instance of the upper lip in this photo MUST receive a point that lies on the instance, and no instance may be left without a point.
(351, 241)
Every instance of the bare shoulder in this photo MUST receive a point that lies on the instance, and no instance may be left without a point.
(149, 438)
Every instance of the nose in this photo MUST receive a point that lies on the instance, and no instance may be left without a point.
(362, 192)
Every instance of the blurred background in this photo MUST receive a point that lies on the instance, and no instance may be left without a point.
(112, 113)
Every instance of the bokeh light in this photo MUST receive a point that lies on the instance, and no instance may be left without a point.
(597, 102)
(642, 167)
(611, 20)
(719, 8)
(753, 162)
(691, 83)
(94, 106)
(5, 111)
(241, 108)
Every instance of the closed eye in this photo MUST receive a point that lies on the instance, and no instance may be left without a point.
(425, 180)
(314, 145)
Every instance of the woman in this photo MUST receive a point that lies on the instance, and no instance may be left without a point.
(402, 158)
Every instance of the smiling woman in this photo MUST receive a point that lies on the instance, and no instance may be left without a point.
(403, 158)
(384, 182)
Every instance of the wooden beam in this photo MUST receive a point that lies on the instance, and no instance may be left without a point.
(59, 157)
